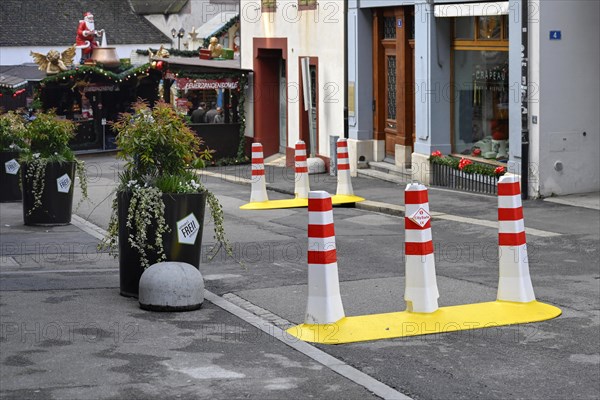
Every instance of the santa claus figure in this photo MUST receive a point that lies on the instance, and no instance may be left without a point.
(86, 35)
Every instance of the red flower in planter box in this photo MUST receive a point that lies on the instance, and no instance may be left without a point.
(500, 171)
(463, 163)
(436, 153)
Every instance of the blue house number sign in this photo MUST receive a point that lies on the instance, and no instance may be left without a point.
(555, 35)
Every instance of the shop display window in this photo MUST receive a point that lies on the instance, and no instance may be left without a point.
(463, 28)
(481, 101)
(480, 88)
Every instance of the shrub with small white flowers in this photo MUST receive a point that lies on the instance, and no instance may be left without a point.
(48, 139)
(161, 152)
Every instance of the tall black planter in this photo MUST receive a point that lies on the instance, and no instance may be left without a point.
(9, 182)
(177, 208)
(56, 207)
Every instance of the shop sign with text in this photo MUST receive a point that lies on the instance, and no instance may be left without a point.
(203, 84)
(100, 88)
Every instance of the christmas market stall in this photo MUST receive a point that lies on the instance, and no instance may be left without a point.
(211, 93)
(18, 84)
(93, 96)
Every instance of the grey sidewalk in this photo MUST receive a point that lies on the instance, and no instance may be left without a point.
(66, 333)
(388, 198)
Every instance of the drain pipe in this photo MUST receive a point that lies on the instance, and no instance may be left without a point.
(346, 127)
(524, 101)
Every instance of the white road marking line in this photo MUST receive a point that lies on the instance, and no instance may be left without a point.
(373, 385)
(88, 227)
(225, 177)
(378, 206)
(60, 271)
(492, 224)
(374, 205)
(347, 371)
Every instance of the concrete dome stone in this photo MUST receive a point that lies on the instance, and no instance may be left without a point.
(171, 286)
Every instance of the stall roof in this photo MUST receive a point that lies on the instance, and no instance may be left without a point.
(204, 65)
(12, 82)
(214, 24)
(26, 72)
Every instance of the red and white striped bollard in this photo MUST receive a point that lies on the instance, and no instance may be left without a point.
(514, 283)
(324, 304)
(344, 184)
(302, 186)
(258, 191)
(421, 291)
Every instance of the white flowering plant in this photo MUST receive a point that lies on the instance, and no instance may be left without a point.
(12, 132)
(161, 154)
(47, 138)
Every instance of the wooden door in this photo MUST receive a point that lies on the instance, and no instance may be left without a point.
(393, 77)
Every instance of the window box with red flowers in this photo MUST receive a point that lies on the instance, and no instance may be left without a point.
(464, 173)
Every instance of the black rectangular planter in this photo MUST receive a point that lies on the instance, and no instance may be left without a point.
(56, 207)
(177, 207)
(9, 182)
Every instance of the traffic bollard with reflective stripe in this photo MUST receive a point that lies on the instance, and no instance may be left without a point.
(258, 192)
(324, 304)
(514, 283)
(302, 185)
(344, 184)
(421, 291)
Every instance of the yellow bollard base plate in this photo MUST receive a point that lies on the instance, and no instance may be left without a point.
(297, 203)
(445, 319)
(345, 199)
(274, 204)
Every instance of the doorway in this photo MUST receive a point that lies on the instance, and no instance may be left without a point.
(282, 106)
(309, 120)
(270, 94)
(393, 48)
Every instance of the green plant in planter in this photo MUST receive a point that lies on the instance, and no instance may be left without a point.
(12, 132)
(48, 137)
(161, 152)
(12, 143)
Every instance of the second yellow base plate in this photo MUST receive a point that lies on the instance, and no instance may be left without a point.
(297, 203)
(445, 319)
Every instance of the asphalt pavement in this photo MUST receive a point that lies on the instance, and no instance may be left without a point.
(66, 333)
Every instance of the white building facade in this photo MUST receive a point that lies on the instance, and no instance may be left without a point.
(276, 36)
(442, 75)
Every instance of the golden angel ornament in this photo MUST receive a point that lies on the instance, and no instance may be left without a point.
(54, 62)
(162, 53)
(216, 50)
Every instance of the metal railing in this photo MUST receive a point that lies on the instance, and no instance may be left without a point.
(446, 176)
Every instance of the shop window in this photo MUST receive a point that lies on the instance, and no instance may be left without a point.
(463, 28)
(480, 82)
(307, 4)
(490, 30)
(268, 5)
(481, 103)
